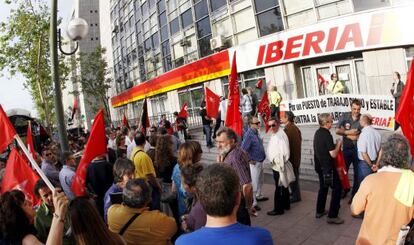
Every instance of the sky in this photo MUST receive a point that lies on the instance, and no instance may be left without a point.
(12, 92)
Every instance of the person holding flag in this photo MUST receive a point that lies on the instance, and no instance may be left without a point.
(181, 125)
(233, 115)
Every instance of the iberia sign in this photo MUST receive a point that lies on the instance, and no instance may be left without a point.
(370, 30)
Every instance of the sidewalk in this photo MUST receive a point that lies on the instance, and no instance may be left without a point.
(299, 225)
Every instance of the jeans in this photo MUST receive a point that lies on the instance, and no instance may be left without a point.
(256, 172)
(294, 186)
(363, 170)
(207, 131)
(323, 194)
(351, 157)
(281, 198)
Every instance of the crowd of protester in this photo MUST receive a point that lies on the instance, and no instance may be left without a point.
(153, 188)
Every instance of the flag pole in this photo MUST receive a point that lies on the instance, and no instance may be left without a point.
(33, 162)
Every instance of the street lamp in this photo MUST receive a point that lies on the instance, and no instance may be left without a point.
(77, 29)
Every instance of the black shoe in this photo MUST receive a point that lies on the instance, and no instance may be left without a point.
(335, 221)
(262, 199)
(320, 215)
(287, 208)
(257, 208)
(274, 213)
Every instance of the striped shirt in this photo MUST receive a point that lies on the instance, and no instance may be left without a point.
(237, 159)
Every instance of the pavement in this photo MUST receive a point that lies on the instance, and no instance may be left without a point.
(299, 225)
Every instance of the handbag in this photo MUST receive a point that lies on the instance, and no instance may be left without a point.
(290, 173)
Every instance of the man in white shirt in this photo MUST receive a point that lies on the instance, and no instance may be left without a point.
(223, 108)
(369, 145)
(278, 154)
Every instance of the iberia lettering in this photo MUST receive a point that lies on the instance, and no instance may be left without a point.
(294, 46)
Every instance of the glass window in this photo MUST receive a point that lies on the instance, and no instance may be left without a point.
(201, 9)
(270, 21)
(216, 4)
(167, 63)
(172, 5)
(360, 5)
(165, 46)
(155, 40)
(161, 6)
(187, 18)
(145, 10)
(203, 27)
(148, 45)
(204, 44)
(174, 26)
(163, 19)
(164, 33)
(262, 5)
(179, 62)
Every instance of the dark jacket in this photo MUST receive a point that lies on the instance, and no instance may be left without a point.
(295, 143)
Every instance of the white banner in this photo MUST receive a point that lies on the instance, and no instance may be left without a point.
(380, 107)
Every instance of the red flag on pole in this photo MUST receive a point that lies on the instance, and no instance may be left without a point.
(259, 84)
(95, 146)
(183, 113)
(7, 131)
(29, 140)
(75, 107)
(233, 115)
(125, 122)
(341, 168)
(264, 109)
(322, 83)
(145, 123)
(18, 175)
(405, 113)
(212, 103)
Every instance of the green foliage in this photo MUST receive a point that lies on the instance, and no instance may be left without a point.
(24, 45)
(94, 79)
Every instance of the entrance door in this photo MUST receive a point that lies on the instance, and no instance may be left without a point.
(316, 77)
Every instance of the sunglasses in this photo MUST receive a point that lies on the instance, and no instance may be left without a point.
(48, 154)
(256, 123)
(272, 125)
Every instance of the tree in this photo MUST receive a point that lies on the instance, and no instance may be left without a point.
(94, 79)
(24, 45)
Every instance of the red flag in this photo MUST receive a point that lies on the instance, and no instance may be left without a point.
(259, 84)
(341, 168)
(145, 122)
(212, 103)
(7, 131)
(233, 115)
(95, 146)
(264, 109)
(18, 175)
(29, 140)
(75, 107)
(183, 113)
(125, 122)
(405, 113)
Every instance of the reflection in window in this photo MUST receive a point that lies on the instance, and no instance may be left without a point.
(179, 62)
(262, 5)
(165, 48)
(204, 44)
(187, 18)
(201, 9)
(164, 33)
(203, 27)
(148, 45)
(270, 21)
(216, 4)
(161, 6)
(155, 40)
(163, 19)
(360, 5)
(174, 26)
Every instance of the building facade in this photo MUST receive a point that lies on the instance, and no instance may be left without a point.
(88, 10)
(168, 51)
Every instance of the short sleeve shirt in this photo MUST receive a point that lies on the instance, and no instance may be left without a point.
(348, 123)
(143, 163)
(322, 145)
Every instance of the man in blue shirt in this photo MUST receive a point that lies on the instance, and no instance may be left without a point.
(219, 193)
(253, 145)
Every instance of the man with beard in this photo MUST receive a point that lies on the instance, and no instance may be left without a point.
(233, 155)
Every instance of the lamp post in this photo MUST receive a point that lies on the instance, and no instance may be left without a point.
(77, 29)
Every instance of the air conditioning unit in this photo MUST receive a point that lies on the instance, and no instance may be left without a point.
(217, 43)
(184, 43)
(153, 59)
